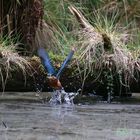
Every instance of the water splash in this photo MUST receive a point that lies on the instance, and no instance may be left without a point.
(61, 96)
(56, 97)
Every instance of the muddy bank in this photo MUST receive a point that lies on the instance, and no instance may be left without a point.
(44, 97)
(71, 80)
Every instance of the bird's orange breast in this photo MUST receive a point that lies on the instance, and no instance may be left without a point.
(54, 83)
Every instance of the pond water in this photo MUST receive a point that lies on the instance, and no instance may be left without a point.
(37, 121)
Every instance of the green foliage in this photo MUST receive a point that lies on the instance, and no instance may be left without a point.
(7, 40)
(107, 16)
(63, 24)
(57, 12)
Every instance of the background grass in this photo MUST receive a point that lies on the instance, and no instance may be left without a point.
(58, 30)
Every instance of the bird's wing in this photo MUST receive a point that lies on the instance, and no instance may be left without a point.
(65, 64)
(46, 61)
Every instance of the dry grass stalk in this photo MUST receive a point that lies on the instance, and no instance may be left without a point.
(100, 50)
(10, 61)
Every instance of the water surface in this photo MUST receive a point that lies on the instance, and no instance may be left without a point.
(37, 121)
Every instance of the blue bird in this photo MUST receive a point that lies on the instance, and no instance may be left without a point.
(53, 76)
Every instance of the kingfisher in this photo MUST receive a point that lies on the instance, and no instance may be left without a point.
(52, 75)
